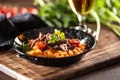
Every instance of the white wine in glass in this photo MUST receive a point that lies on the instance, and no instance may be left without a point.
(81, 8)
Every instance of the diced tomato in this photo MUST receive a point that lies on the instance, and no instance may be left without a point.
(74, 42)
(40, 44)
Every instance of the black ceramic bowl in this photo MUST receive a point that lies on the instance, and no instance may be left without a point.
(70, 33)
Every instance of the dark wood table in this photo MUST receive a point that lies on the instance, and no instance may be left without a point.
(108, 73)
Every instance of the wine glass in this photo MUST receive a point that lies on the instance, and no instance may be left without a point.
(81, 9)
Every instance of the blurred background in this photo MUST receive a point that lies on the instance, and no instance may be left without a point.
(57, 13)
(22, 3)
(108, 12)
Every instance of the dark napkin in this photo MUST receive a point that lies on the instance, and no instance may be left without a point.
(7, 33)
(27, 21)
(10, 28)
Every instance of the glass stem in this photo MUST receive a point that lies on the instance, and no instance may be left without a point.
(81, 19)
(82, 23)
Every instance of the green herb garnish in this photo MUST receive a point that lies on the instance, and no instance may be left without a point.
(25, 47)
(56, 36)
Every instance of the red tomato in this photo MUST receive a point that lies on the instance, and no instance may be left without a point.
(11, 11)
(33, 10)
(40, 44)
(23, 10)
(9, 14)
(74, 42)
(4, 9)
(0, 10)
(14, 10)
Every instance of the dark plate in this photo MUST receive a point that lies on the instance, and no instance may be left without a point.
(70, 33)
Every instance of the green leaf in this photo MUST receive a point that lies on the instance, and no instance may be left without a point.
(53, 39)
(25, 47)
(57, 31)
(62, 36)
(56, 36)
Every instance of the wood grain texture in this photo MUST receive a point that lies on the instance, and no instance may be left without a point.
(107, 51)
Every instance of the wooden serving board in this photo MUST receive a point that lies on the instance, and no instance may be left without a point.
(107, 51)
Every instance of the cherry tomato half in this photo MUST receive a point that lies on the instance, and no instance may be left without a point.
(40, 44)
(74, 42)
